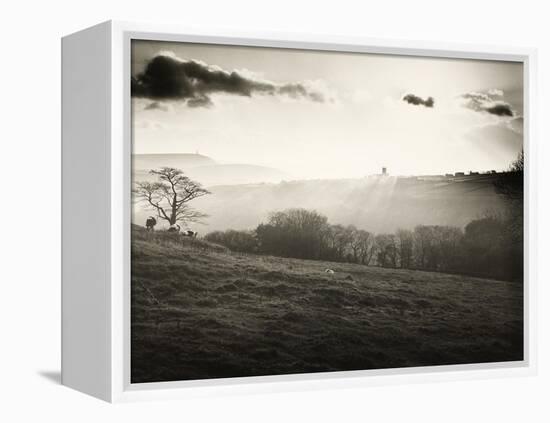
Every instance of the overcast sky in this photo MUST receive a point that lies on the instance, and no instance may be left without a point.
(326, 115)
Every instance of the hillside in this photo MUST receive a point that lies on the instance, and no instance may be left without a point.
(200, 311)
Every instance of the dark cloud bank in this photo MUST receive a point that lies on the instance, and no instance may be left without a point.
(487, 102)
(419, 101)
(169, 78)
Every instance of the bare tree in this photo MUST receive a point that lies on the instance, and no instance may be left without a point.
(343, 240)
(422, 244)
(354, 242)
(367, 246)
(387, 250)
(405, 247)
(447, 243)
(293, 233)
(169, 197)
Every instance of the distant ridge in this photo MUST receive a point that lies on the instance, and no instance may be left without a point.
(180, 160)
(205, 170)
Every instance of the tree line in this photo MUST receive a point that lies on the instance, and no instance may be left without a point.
(486, 247)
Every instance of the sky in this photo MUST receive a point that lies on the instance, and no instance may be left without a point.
(318, 114)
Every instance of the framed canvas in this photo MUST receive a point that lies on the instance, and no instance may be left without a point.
(263, 212)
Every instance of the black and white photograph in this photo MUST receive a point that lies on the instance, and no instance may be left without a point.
(306, 211)
(275, 212)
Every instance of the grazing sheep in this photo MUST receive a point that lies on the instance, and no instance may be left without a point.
(150, 223)
(174, 228)
(329, 271)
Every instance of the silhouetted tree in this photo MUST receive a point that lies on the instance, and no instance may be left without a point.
(169, 197)
(293, 233)
(367, 246)
(342, 239)
(510, 185)
(386, 250)
(405, 247)
(422, 243)
(447, 243)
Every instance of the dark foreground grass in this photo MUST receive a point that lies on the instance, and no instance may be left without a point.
(200, 311)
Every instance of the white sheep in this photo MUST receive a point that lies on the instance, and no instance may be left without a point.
(174, 228)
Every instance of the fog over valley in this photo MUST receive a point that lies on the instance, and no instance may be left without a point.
(243, 195)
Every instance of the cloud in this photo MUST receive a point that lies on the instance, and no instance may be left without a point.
(516, 125)
(419, 101)
(156, 105)
(167, 77)
(488, 102)
(496, 140)
(495, 92)
(500, 109)
(200, 101)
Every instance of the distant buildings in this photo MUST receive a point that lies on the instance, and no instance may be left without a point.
(384, 173)
(470, 173)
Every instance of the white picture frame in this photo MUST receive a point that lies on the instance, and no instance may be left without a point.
(96, 153)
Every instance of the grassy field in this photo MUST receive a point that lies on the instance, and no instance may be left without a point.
(200, 311)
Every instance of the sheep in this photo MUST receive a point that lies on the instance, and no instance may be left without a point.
(150, 223)
(174, 228)
(330, 271)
